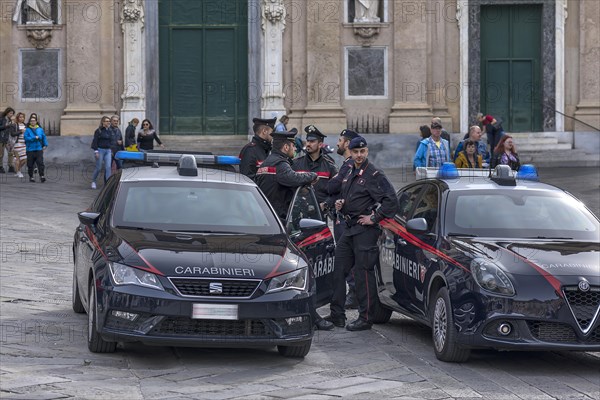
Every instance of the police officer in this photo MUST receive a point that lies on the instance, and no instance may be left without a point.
(363, 187)
(315, 161)
(255, 152)
(334, 188)
(278, 181)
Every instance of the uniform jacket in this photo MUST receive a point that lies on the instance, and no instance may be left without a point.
(362, 189)
(252, 156)
(31, 142)
(278, 181)
(102, 138)
(334, 186)
(325, 169)
(463, 162)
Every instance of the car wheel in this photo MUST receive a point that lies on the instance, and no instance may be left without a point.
(297, 351)
(382, 314)
(95, 343)
(76, 296)
(444, 332)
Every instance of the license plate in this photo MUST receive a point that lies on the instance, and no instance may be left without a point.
(215, 311)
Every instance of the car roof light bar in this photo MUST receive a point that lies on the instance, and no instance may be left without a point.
(174, 157)
(502, 174)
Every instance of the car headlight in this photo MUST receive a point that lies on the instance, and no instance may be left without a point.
(292, 280)
(491, 278)
(124, 275)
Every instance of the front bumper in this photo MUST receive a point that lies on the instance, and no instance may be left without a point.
(165, 319)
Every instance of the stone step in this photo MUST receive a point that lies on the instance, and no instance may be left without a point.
(562, 158)
(542, 146)
(225, 145)
(527, 141)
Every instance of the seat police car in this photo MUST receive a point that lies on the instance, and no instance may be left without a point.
(492, 260)
(194, 255)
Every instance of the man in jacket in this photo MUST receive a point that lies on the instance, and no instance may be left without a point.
(363, 187)
(433, 151)
(255, 152)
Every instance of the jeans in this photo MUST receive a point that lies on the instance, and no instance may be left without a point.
(104, 156)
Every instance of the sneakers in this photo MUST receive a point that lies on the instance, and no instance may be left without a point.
(93, 185)
(42, 179)
(19, 174)
(31, 179)
(11, 169)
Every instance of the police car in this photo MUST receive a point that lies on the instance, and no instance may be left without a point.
(492, 260)
(194, 255)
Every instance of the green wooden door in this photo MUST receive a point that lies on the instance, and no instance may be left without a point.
(511, 42)
(203, 51)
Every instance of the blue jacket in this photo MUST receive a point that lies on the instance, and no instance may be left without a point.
(33, 144)
(422, 154)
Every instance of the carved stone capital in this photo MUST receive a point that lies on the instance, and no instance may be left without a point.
(39, 37)
(273, 11)
(366, 33)
(133, 12)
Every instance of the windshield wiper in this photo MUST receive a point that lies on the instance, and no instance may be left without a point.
(138, 228)
(205, 231)
(548, 237)
(462, 234)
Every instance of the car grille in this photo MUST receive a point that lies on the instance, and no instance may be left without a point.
(552, 332)
(201, 287)
(585, 306)
(182, 326)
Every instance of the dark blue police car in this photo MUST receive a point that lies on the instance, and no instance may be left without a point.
(189, 256)
(492, 261)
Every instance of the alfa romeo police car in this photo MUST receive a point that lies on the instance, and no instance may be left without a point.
(494, 260)
(194, 255)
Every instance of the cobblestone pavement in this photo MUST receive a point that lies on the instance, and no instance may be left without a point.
(43, 353)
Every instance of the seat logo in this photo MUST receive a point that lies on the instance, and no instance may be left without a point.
(215, 288)
(584, 285)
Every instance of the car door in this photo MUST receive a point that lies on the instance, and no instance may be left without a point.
(394, 283)
(314, 238)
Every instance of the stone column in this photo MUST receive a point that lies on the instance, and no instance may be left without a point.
(435, 89)
(561, 16)
(324, 67)
(134, 62)
(273, 25)
(588, 108)
(90, 71)
(462, 16)
(410, 109)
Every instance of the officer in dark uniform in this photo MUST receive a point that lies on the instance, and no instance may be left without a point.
(335, 189)
(278, 181)
(315, 161)
(255, 152)
(363, 187)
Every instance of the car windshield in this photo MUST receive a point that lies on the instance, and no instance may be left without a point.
(520, 214)
(194, 207)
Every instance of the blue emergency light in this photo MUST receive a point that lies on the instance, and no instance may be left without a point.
(448, 171)
(174, 157)
(528, 172)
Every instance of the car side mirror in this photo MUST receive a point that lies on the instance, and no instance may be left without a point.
(417, 225)
(88, 218)
(309, 224)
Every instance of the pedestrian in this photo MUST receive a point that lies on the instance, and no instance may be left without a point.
(117, 140)
(424, 133)
(468, 157)
(36, 143)
(334, 188)
(316, 161)
(102, 150)
(20, 149)
(474, 135)
(7, 129)
(278, 181)
(147, 136)
(506, 153)
(282, 125)
(493, 129)
(445, 134)
(130, 135)
(254, 153)
(433, 151)
(363, 187)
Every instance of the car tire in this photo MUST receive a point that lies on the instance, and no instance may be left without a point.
(382, 314)
(296, 351)
(443, 330)
(95, 343)
(76, 296)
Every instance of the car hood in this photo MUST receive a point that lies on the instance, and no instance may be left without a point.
(206, 255)
(554, 258)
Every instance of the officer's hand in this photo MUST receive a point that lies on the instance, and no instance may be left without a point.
(339, 204)
(365, 220)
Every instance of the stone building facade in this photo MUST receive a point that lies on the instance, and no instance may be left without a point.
(208, 66)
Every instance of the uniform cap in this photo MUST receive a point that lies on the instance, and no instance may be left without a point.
(348, 134)
(268, 122)
(313, 133)
(358, 142)
(283, 136)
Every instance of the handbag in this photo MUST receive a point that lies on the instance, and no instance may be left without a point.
(132, 147)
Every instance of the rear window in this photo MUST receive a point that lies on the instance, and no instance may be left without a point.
(194, 206)
(520, 214)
